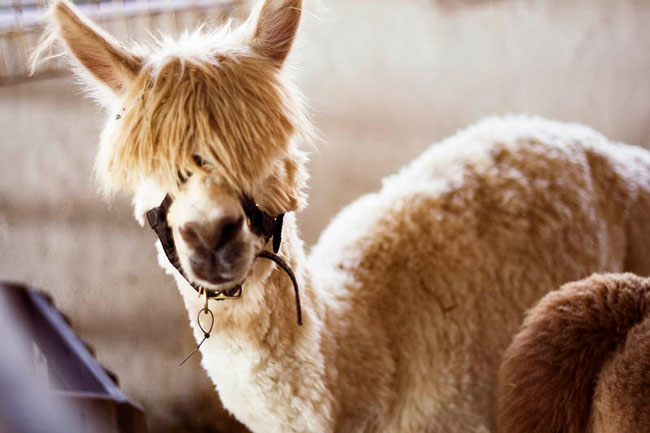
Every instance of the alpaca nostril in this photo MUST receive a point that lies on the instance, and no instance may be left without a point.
(229, 231)
(190, 234)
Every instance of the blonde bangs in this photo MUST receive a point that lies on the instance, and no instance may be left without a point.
(234, 114)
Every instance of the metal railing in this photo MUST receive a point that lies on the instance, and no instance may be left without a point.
(22, 23)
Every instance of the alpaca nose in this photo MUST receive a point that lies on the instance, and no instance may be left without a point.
(212, 236)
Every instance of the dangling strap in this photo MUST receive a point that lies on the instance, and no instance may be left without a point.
(277, 233)
(285, 267)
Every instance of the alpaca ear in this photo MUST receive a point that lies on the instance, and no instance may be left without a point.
(98, 52)
(276, 28)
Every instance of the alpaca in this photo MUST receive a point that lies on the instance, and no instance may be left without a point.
(580, 362)
(412, 293)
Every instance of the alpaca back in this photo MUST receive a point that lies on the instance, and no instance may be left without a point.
(592, 332)
(428, 279)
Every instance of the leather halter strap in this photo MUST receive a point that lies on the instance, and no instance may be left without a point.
(263, 224)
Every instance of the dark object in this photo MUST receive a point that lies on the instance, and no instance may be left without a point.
(96, 403)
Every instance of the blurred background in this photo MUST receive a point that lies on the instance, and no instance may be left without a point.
(385, 79)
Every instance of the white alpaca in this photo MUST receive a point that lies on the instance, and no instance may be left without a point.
(412, 293)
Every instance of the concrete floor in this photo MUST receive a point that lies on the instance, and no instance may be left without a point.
(385, 80)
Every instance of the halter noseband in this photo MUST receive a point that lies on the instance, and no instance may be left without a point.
(260, 223)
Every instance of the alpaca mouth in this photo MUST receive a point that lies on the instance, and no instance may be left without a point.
(213, 280)
(219, 281)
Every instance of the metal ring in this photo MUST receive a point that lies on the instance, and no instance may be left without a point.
(198, 320)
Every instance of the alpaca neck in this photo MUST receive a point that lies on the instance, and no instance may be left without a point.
(258, 337)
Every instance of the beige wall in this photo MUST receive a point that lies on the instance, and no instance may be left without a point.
(389, 77)
(385, 79)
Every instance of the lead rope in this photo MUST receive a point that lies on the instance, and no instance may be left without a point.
(206, 334)
(265, 255)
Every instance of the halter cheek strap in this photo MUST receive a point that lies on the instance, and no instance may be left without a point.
(263, 224)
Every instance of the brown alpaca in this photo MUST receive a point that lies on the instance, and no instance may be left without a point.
(581, 362)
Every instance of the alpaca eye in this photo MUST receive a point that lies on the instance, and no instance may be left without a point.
(182, 177)
(198, 160)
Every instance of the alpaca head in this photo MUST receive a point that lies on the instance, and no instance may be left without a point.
(206, 118)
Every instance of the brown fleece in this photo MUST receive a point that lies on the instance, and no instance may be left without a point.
(581, 361)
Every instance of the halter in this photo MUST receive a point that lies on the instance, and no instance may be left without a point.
(260, 223)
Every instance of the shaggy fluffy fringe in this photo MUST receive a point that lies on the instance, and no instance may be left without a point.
(234, 115)
(202, 102)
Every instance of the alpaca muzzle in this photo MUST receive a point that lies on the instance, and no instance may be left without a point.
(259, 222)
